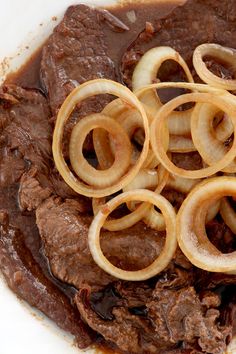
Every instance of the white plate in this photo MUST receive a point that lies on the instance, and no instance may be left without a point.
(27, 23)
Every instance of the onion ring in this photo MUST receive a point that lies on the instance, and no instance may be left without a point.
(89, 174)
(227, 55)
(193, 243)
(91, 88)
(210, 149)
(207, 94)
(181, 144)
(142, 211)
(166, 254)
(146, 72)
(180, 184)
(228, 214)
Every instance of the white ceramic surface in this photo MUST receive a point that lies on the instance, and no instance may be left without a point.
(26, 23)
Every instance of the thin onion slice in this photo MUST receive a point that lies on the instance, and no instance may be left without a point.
(227, 55)
(190, 220)
(89, 174)
(141, 212)
(146, 72)
(206, 93)
(212, 211)
(181, 144)
(80, 93)
(228, 214)
(208, 146)
(153, 218)
(167, 252)
(180, 184)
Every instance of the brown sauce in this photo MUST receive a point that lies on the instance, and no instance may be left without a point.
(28, 76)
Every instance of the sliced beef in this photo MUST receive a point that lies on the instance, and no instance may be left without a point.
(35, 187)
(25, 133)
(64, 230)
(181, 316)
(27, 129)
(75, 52)
(26, 279)
(32, 191)
(184, 32)
(151, 318)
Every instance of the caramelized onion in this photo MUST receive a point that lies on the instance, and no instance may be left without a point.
(204, 138)
(181, 144)
(166, 254)
(180, 184)
(217, 97)
(143, 210)
(79, 94)
(146, 72)
(89, 174)
(227, 55)
(190, 223)
(228, 214)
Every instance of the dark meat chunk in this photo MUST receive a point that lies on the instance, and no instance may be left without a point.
(75, 52)
(35, 187)
(27, 129)
(124, 330)
(151, 318)
(64, 233)
(64, 230)
(181, 316)
(32, 191)
(25, 134)
(12, 166)
(26, 279)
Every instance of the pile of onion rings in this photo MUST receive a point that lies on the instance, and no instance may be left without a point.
(134, 138)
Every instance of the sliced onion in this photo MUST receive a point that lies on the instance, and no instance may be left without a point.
(145, 179)
(190, 220)
(209, 94)
(180, 184)
(227, 55)
(228, 214)
(89, 174)
(153, 218)
(91, 88)
(148, 66)
(212, 211)
(208, 146)
(181, 144)
(224, 129)
(142, 210)
(146, 72)
(166, 254)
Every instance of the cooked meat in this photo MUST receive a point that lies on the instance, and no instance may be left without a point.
(179, 315)
(26, 279)
(75, 52)
(64, 229)
(32, 192)
(25, 135)
(28, 130)
(144, 320)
